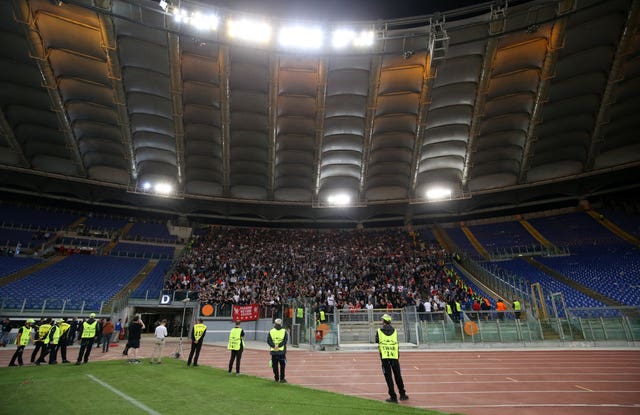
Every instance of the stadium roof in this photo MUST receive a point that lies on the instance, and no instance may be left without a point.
(503, 103)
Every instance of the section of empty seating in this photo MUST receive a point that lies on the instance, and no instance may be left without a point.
(69, 241)
(103, 223)
(26, 217)
(77, 282)
(521, 268)
(10, 264)
(143, 251)
(460, 239)
(503, 236)
(150, 232)
(151, 287)
(27, 239)
(575, 230)
(628, 222)
(613, 271)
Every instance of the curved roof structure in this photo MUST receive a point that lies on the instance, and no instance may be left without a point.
(504, 103)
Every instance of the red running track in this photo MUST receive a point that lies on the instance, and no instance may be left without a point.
(540, 382)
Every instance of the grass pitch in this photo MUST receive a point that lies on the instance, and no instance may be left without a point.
(170, 388)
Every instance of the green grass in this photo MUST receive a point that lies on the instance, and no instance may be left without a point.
(170, 388)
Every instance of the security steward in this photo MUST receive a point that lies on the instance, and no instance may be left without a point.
(236, 345)
(88, 333)
(45, 331)
(55, 341)
(197, 338)
(277, 340)
(64, 328)
(387, 339)
(517, 308)
(22, 340)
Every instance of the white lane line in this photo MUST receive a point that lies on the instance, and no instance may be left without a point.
(583, 388)
(125, 396)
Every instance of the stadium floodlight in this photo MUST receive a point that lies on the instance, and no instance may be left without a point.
(204, 22)
(339, 199)
(438, 193)
(301, 37)
(163, 5)
(364, 39)
(163, 188)
(146, 186)
(249, 30)
(180, 15)
(342, 38)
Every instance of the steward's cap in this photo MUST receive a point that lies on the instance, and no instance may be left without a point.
(278, 322)
(92, 315)
(386, 317)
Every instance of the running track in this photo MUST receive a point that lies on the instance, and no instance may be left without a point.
(540, 382)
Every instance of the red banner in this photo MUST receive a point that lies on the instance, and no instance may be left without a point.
(249, 312)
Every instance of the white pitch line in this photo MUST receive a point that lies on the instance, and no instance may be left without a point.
(125, 396)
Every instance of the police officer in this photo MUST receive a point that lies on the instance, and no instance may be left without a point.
(88, 334)
(197, 338)
(236, 345)
(22, 340)
(277, 340)
(387, 339)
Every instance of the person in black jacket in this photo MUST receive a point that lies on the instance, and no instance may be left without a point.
(277, 340)
(387, 339)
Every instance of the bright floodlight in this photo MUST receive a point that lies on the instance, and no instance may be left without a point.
(342, 38)
(438, 193)
(181, 15)
(163, 5)
(204, 22)
(163, 188)
(252, 31)
(340, 199)
(301, 37)
(146, 185)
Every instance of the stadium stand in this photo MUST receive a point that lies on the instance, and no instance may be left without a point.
(83, 281)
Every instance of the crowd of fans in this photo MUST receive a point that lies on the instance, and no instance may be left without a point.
(336, 268)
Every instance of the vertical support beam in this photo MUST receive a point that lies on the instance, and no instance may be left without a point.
(555, 43)
(175, 63)
(321, 97)
(7, 133)
(478, 107)
(374, 83)
(115, 73)
(224, 59)
(274, 72)
(630, 27)
(23, 14)
(425, 100)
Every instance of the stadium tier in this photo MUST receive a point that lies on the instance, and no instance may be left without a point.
(80, 280)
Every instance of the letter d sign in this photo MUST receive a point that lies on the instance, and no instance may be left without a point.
(165, 299)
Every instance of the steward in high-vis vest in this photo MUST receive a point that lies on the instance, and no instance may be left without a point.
(63, 340)
(197, 338)
(41, 331)
(387, 339)
(88, 335)
(277, 340)
(22, 340)
(45, 333)
(517, 308)
(236, 345)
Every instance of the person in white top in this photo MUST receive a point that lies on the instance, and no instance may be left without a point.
(158, 347)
